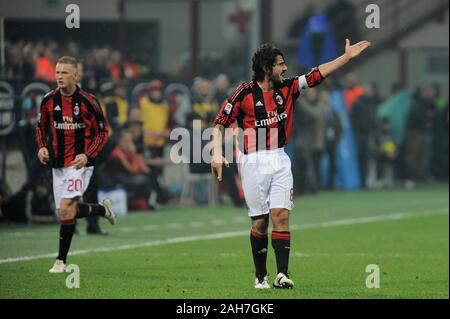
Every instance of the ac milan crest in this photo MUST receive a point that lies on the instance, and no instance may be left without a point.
(279, 99)
(76, 110)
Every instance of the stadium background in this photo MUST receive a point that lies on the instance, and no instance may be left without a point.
(186, 45)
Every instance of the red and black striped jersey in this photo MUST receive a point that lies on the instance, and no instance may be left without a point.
(71, 125)
(266, 118)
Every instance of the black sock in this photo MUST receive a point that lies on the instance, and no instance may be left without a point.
(281, 243)
(84, 210)
(259, 249)
(65, 238)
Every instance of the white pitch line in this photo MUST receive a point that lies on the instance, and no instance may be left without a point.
(335, 223)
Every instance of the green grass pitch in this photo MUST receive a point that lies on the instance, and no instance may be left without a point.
(202, 253)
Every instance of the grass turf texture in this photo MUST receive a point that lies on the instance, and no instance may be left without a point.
(404, 232)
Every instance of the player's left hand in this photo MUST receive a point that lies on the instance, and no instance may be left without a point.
(354, 50)
(217, 163)
(80, 161)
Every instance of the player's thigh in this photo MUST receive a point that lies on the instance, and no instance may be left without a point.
(58, 185)
(281, 193)
(256, 185)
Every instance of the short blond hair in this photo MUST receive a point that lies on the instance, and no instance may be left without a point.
(68, 60)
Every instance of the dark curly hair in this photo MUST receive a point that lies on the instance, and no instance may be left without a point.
(265, 56)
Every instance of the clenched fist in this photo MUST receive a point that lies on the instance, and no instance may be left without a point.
(43, 155)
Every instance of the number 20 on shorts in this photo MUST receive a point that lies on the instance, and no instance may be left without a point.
(75, 185)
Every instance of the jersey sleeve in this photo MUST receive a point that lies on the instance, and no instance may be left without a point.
(231, 108)
(101, 129)
(313, 78)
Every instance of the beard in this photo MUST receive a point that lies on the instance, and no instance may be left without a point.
(277, 79)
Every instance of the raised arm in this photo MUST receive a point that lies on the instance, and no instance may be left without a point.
(351, 51)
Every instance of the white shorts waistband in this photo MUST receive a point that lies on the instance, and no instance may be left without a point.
(279, 150)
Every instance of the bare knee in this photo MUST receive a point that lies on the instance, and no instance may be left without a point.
(280, 219)
(260, 224)
(67, 210)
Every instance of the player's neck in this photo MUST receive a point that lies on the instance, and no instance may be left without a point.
(69, 91)
(266, 85)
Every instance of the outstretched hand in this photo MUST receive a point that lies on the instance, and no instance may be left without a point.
(354, 50)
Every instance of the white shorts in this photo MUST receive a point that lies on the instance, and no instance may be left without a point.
(267, 181)
(70, 182)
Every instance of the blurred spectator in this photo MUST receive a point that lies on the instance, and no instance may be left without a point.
(45, 67)
(35, 197)
(131, 70)
(126, 167)
(80, 71)
(144, 64)
(204, 104)
(317, 43)
(91, 194)
(155, 164)
(90, 84)
(420, 124)
(353, 90)
(342, 18)
(135, 128)
(116, 106)
(440, 101)
(440, 146)
(29, 60)
(311, 139)
(222, 88)
(440, 140)
(387, 153)
(183, 109)
(396, 87)
(364, 121)
(95, 65)
(115, 66)
(297, 27)
(154, 112)
(21, 62)
(3, 198)
(33, 203)
(376, 92)
(333, 133)
(26, 131)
